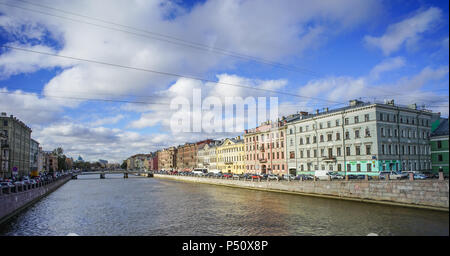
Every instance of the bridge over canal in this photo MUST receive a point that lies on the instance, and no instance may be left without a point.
(103, 173)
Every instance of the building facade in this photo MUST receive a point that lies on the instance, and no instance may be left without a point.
(4, 154)
(34, 157)
(439, 147)
(50, 162)
(153, 162)
(19, 140)
(361, 138)
(167, 159)
(186, 157)
(207, 155)
(265, 148)
(231, 156)
(40, 160)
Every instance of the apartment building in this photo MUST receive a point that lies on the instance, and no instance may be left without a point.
(231, 156)
(265, 148)
(18, 139)
(167, 159)
(362, 138)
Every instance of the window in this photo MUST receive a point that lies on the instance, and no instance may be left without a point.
(347, 151)
(308, 153)
(358, 150)
(329, 137)
(368, 150)
(358, 167)
(291, 142)
(328, 124)
(366, 117)
(5, 122)
(440, 158)
(330, 152)
(337, 122)
(291, 154)
(320, 125)
(315, 152)
(356, 119)
(338, 151)
(382, 149)
(321, 138)
(369, 167)
(367, 132)
(290, 131)
(307, 140)
(382, 131)
(349, 167)
(322, 152)
(301, 154)
(346, 121)
(339, 167)
(338, 136)
(347, 135)
(439, 144)
(314, 139)
(301, 141)
(301, 129)
(356, 133)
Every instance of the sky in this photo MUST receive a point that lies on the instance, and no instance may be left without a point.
(97, 77)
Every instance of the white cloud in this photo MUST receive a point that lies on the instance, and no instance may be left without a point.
(406, 90)
(387, 65)
(108, 120)
(407, 31)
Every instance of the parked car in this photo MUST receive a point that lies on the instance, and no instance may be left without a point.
(236, 176)
(255, 176)
(5, 184)
(288, 177)
(322, 175)
(273, 177)
(336, 176)
(420, 176)
(227, 175)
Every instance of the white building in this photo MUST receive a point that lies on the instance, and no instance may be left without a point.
(362, 138)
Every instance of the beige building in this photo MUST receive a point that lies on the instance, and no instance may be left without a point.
(231, 156)
(167, 159)
(19, 139)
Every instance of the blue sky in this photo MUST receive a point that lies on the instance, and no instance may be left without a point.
(341, 50)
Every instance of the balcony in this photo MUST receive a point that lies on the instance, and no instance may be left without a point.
(263, 160)
(329, 159)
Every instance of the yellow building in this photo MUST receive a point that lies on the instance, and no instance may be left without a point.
(230, 156)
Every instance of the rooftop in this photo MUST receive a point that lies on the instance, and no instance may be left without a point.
(442, 129)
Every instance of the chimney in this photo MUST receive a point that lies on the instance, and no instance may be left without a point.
(412, 106)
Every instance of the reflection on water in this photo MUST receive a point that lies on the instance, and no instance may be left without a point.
(146, 206)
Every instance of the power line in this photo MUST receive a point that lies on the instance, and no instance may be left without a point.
(167, 39)
(165, 73)
(88, 99)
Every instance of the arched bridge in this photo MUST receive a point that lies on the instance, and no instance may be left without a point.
(103, 173)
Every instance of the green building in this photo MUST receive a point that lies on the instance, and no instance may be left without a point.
(439, 147)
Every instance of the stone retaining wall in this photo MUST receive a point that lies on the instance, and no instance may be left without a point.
(433, 194)
(12, 203)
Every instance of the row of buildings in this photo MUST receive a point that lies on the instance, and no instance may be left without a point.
(20, 155)
(361, 138)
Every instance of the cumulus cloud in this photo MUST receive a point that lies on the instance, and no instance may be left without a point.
(387, 65)
(407, 31)
(405, 90)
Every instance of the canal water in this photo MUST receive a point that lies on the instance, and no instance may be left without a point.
(157, 207)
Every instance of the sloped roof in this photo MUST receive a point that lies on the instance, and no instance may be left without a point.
(442, 129)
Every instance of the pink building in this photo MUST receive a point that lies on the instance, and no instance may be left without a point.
(153, 161)
(264, 148)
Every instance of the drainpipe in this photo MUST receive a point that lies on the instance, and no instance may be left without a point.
(344, 150)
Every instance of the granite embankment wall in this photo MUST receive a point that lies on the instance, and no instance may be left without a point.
(431, 194)
(14, 202)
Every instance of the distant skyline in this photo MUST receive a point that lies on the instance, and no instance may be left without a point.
(330, 51)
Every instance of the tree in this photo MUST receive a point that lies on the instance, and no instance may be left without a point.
(124, 164)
